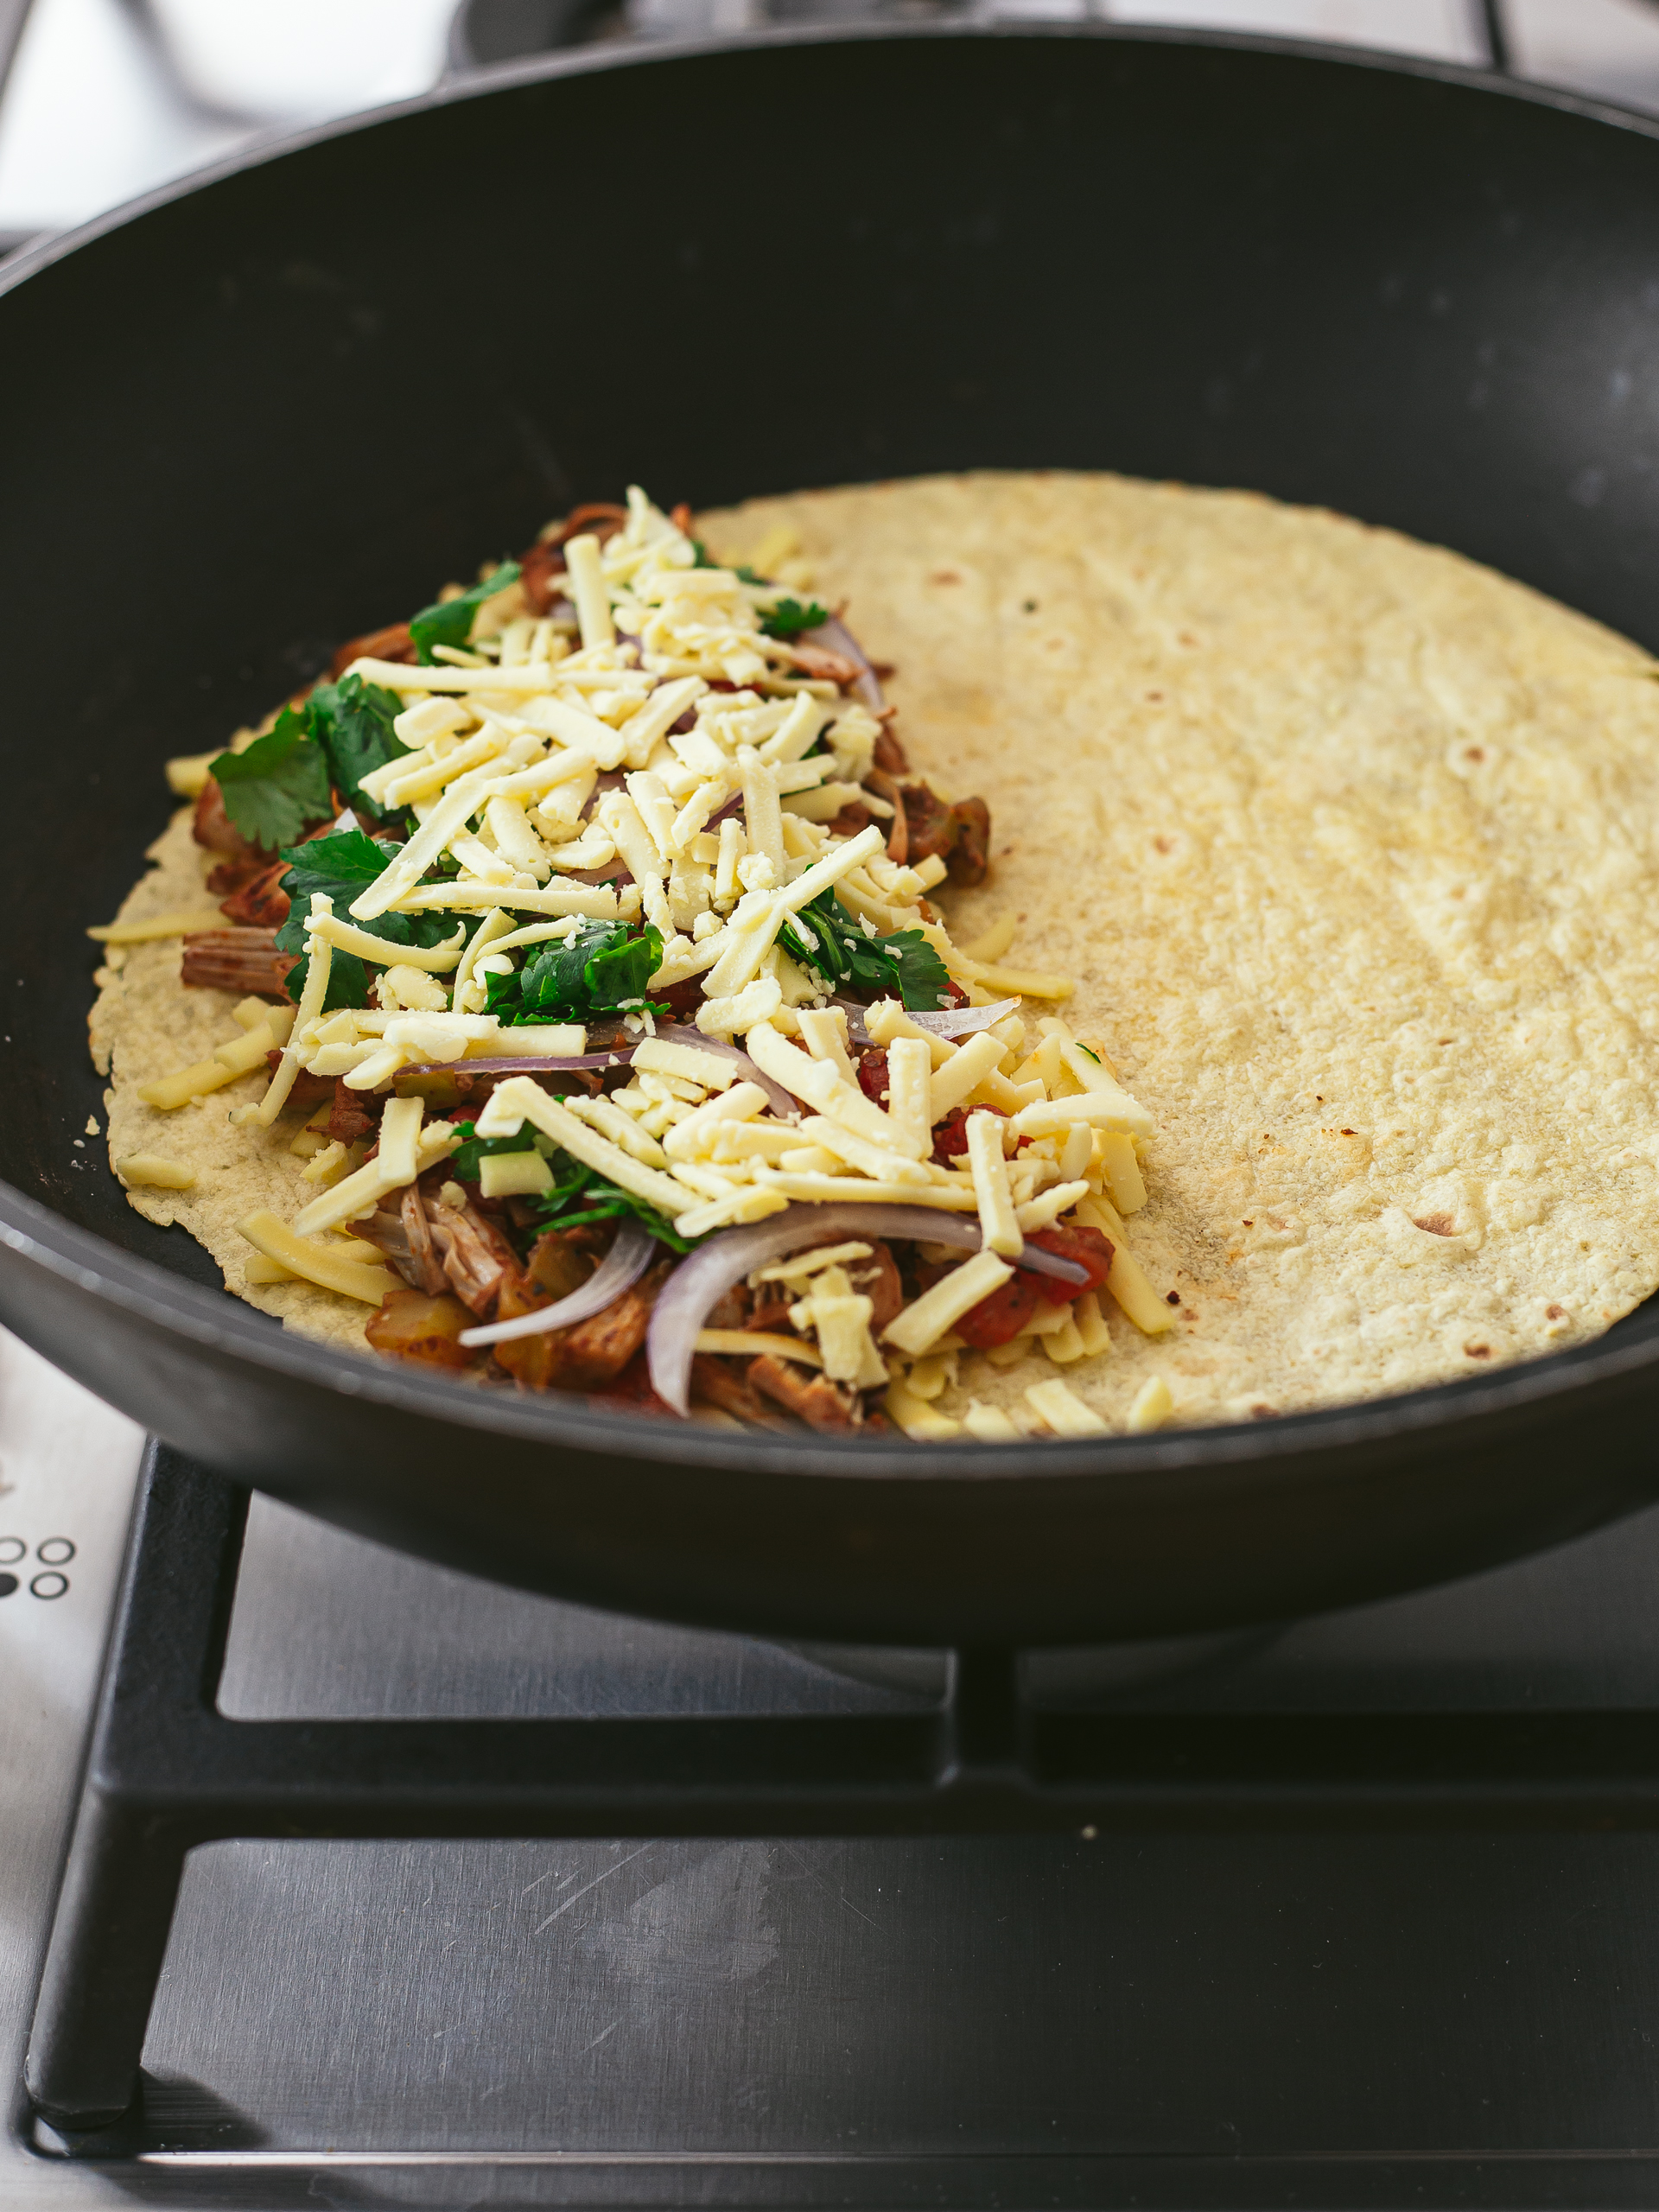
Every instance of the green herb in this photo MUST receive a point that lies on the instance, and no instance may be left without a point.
(277, 785)
(599, 970)
(924, 979)
(904, 966)
(789, 618)
(580, 1194)
(349, 979)
(351, 721)
(342, 866)
(463, 1161)
(450, 621)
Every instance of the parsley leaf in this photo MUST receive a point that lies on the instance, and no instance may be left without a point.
(904, 966)
(599, 970)
(450, 621)
(341, 865)
(789, 618)
(580, 1194)
(279, 785)
(352, 722)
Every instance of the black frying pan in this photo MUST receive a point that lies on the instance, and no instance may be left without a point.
(271, 410)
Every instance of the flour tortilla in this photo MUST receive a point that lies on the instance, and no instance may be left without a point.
(146, 1024)
(1352, 848)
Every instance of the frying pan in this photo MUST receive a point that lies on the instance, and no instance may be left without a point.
(269, 409)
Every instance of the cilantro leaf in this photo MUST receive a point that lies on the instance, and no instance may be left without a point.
(353, 720)
(341, 865)
(904, 966)
(789, 618)
(349, 979)
(599, 970)
(277, 786)
(580, 1194)
(449, 622)
(924, 979)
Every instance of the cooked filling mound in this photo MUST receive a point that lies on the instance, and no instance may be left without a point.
(580, 931)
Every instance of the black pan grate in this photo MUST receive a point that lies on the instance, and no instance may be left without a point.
(168, 1772)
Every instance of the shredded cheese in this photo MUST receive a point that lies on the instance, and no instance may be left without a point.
(677, 682)
(1152, 1407)
(752, 1343)
(1002, 1230)
(315, 1262)
(1058, 1406)
(921, 1324)
(520, 1099)
(152, 1167)
(178, 921)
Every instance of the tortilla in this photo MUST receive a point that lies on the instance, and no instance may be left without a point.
(143, 1025)
(1351, 846)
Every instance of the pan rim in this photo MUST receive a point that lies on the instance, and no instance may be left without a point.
(266, 148)
(1284, 1446)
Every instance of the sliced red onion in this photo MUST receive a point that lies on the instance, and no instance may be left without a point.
(953, 1021)
(671, 1033)
(619, 1269)
(840, 640)
(698, 1282)
(612, 872)
(521, 1064)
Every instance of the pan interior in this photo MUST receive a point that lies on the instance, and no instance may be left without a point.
(246, 424)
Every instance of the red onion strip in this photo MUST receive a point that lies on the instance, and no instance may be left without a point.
(672, 1034)
(840, 640)
(619, 1269)
(958, 1021)
(685, 1299)
(521, 1064)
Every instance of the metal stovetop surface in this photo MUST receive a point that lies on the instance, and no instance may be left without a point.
(1202, 2018)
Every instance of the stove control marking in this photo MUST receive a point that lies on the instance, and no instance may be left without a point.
(52, 1552)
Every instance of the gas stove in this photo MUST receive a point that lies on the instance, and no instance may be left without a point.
(1346, 1911)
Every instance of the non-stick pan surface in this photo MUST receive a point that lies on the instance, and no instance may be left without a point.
(273, 410)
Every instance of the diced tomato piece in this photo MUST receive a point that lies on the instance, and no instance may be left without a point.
(1088, 1248)
(1000, 1318)
(950, 1136)
(872, 1076)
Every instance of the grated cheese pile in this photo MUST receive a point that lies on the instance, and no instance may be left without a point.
(649, 726)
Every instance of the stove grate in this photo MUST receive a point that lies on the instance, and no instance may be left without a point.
(168, 1772)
